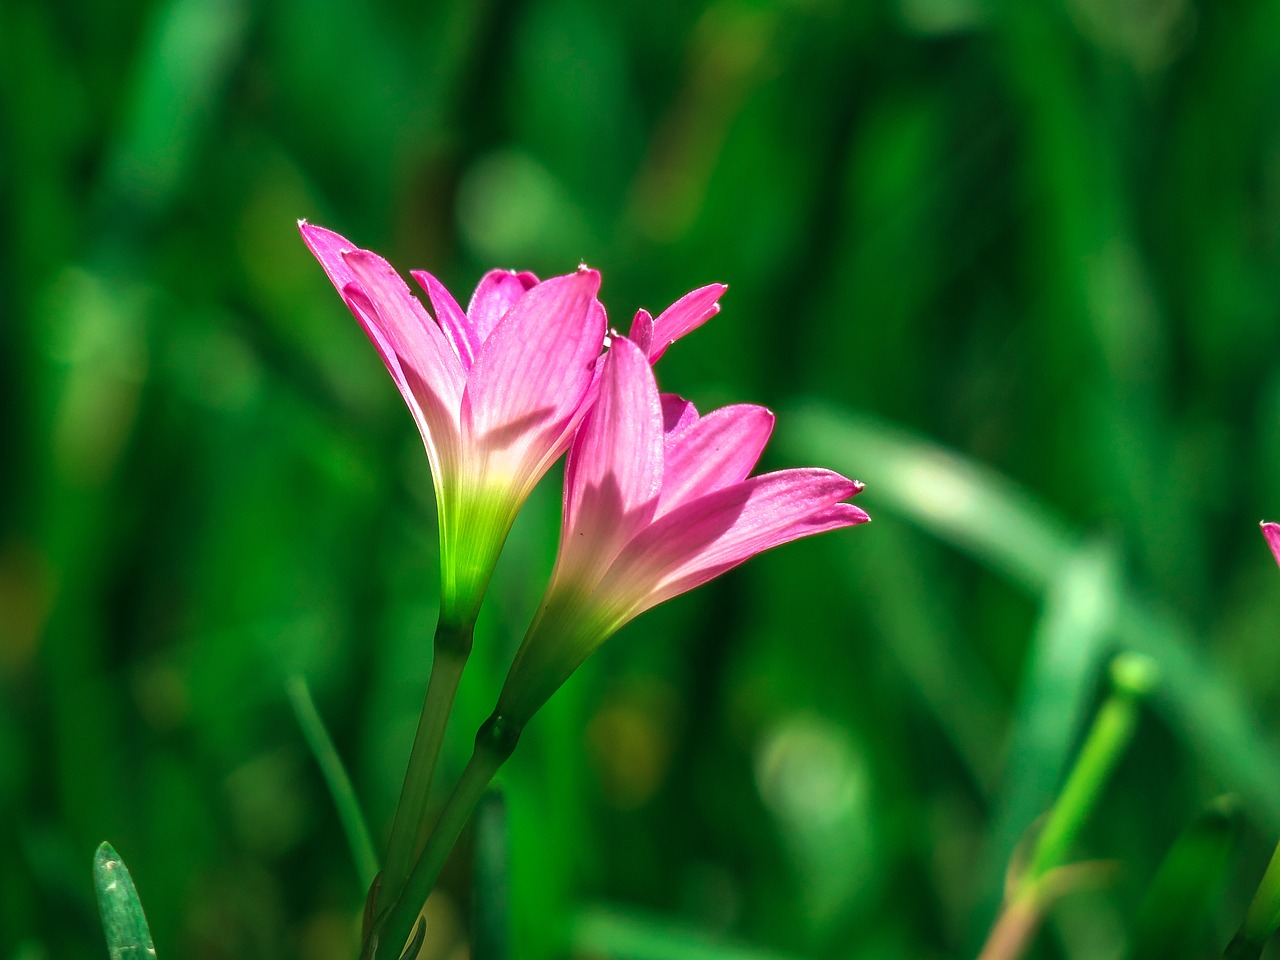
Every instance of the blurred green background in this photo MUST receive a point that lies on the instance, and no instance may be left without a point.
(1015, 265)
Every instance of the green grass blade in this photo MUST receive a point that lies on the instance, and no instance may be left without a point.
(335, 776)
(1001, 525)
(123, 920)
(1177, 913)
(971, 507)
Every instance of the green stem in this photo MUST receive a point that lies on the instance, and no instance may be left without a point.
(335, 776)
(494, 743)
(1108, 737)
(452, 646)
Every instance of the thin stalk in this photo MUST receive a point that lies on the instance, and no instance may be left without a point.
(1048, 875)
(335, 777)
(1112, 729)
(494, 743)
(452, 646)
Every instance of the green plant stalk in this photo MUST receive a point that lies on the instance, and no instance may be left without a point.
(1107, 739)
(494, 743)
(452, 647)
(1110, 734)
(335, 776)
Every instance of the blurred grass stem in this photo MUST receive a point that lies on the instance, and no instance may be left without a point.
(452, 647)
(1110, 734)
(335, 777)
(494, 743)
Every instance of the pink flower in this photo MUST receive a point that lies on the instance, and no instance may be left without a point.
(1272, 532)
(657, 501)
(496, 391)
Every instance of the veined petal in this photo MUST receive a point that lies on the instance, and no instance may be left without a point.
(569, 431)
(455, 324)
(716, 451)
(705, 537)
(614, 472)
(599, 316)
(678, 414)
(531, 374)
(421, 363)
(642, 331)
(688, 313)
(430, 366)
(328, 247)
(432, 390)
(1272, 532)
(497, 291)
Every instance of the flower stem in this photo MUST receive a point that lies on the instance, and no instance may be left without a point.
(1132, 676)
(452, 646)
(494, 743)
(1048, 874)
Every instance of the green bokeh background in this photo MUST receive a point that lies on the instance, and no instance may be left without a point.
(1014, 265)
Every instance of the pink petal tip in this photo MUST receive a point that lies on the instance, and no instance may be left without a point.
(1272, 532)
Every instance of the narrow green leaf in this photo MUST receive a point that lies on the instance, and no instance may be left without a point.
(969, 506)
(336, 778)
(1175, 918)
(123, 921)
(999, 524)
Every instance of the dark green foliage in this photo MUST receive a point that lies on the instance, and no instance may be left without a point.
(1016, 265)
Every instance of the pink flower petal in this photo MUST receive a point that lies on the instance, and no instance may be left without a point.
(705, 537)
(363, 310)
(584, 407)
(688, 313)
(720, 449)
(678, 414)
(642, 331)
(614, 472)
(529, 378)
(494, 296)
(430, 366)
(328, 247)
(1272, 532)
(455, 324)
